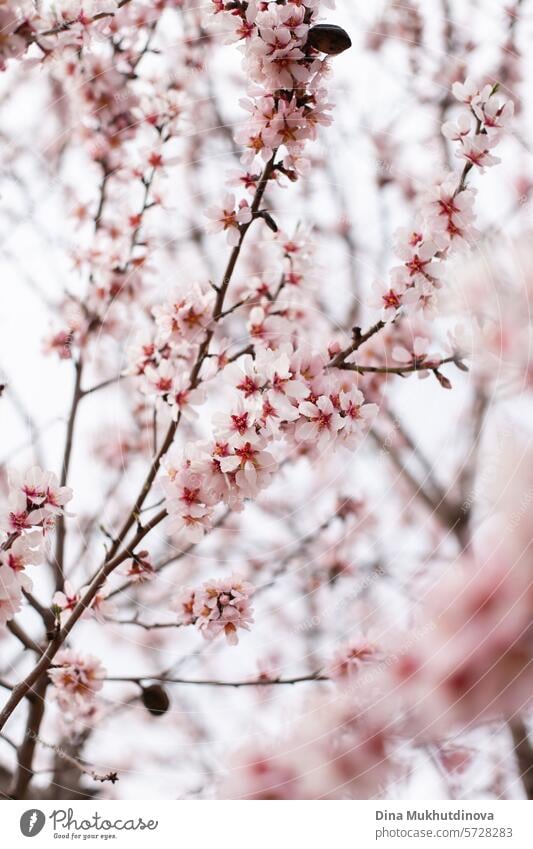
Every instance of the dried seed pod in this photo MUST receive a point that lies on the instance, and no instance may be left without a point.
(155, 699)
(329, 38)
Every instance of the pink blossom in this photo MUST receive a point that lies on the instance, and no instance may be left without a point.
(495, 114)
(100, 608)
(42, 489)
(183, 604)
(11, 586)
(184, 318)
(189, 503)
(387, 299)
(229, 219)
(248, 465)
(246, 377)
(141, 569)
(318, 762)
(450, 214)
(160, 380)
(476, 151)
(357, 416)
(416, 356)
(468, 91)
(224, 607)
(76, 677)
(29, 549)
(12, 44)
(459, 129)
(320, 422)
(350, 659)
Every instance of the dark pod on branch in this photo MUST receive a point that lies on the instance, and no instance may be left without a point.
(329, 38)
(155, 699)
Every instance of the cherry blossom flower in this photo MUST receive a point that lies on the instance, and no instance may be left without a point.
(387, 301)
(160, 380)
(239, 423)
(246, 377)
(183, 604)
(459, 129)
(249, 466)
(265, 329)
(35, 499)
(100, 607)
(141, 569)
(286, 386)
(189, 503)
(26, 550)
(12, 43)
(11, 585)
(229, 219)
(320, 422)
(468, 92)
(184, 318)
(416, 356)
(495, 114)
(76, 677)
(317, 763)
(349, 660)
(357, 416)
(450, 214)
(66, 600)
(224, 607)
(476, 151)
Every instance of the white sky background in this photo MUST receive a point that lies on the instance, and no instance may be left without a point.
(373, 92)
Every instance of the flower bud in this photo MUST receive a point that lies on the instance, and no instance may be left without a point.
(155, 699)
(329, 38)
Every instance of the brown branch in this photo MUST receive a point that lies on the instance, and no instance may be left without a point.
(85, 769)
(67, 455)
(450, 515)
(25, 751)
(44, 612)
(428, 365)
(23, 637)
(524, 755)
(114, 557)
(202, 355)
(359, 339)
(260, 682)
(65, 25)
(173, 559)
(148, 626)
(103, 385)
(27, 684)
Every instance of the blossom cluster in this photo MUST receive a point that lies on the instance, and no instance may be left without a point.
(446, 220)
(282, 395)
(287, 101)
(490, 301)
(35, 501)
(338, 752)
(67, 24)
(129, 127)
(66, 600)
(217, 607)
(474, 662)
(76, 681)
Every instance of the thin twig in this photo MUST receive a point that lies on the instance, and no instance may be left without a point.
(259, 682)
